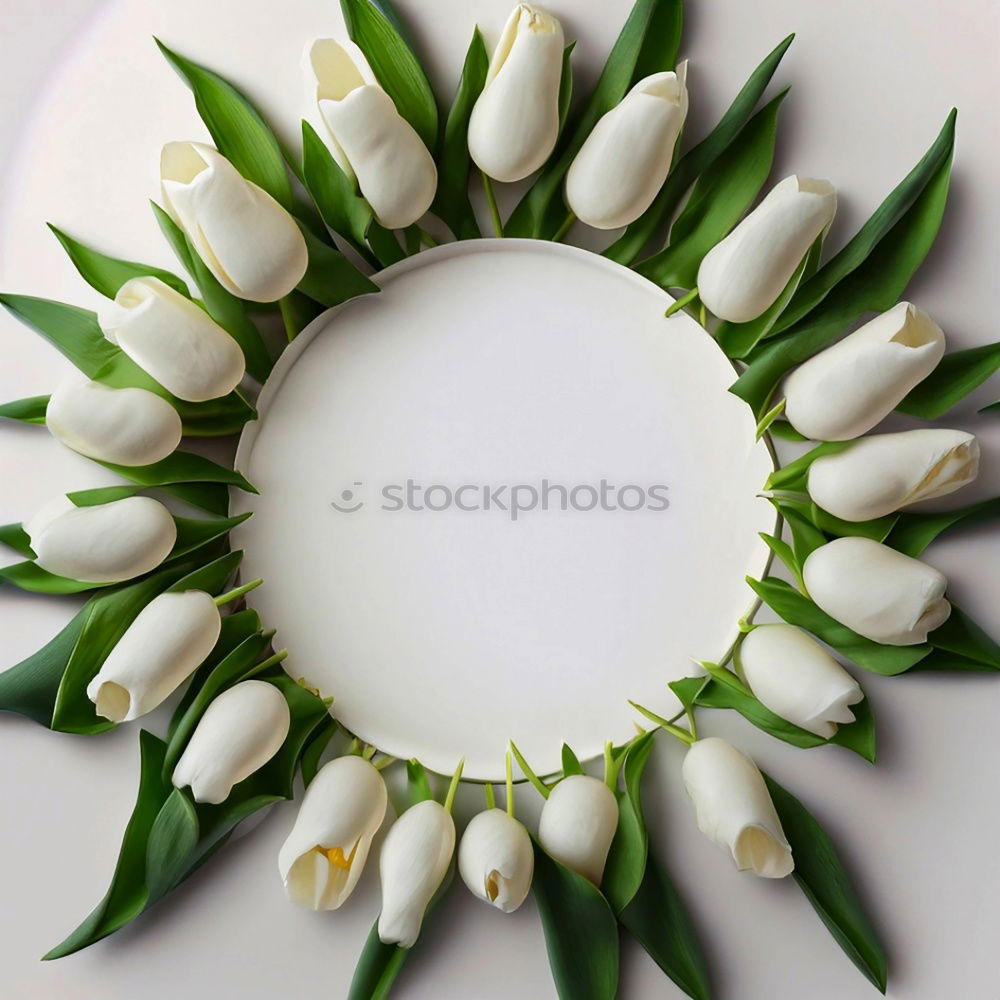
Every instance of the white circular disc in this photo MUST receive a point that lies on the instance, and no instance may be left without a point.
(492, 364)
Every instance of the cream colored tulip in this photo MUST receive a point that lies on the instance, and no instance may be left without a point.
(168, 640)
(173, 340)
(797, 679)
(414, 861)
(371, 141)
(496, 859)
(882, 473)
(742, 277)
(878, 592)
(106, 543)
(122, 426)
(844, 391)
(241, 730)
(249, 242)
(734, 808)
(323, 858)
(626, 158)
(515, 121)
(578, 823)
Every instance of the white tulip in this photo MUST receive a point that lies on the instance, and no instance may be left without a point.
(415, 857)
(121, 426)
(578, 823)
(626, 158)
(844, 391)
(742, 277)
(106, 543)
(168, 640)
(734, 809)
(241, 730)
(496, 859)
(878, 592)
(252, 246)
(325, 854)
(797, 679)
(880, 474)
(174, 340)
(371, 141)
(515, 122)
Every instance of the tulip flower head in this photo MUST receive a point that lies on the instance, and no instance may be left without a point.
(844, 391)
(515, 121)
(413, 863)
(496, 859)
(797, 679)
(880, 593)
(877, 475)
(626, 158)
(742, 277)
(241, 730)
(252, 246)
(168, 640)
(173, 340)
(325, 854)
(106, 543)
(371, 141)
(122, 426)
(578, 823)
(734, 808)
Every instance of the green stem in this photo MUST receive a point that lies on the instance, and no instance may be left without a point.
(353, 748)
(510, 785)
(768, 419)
(540, 785)
(683, 735)
(703, 315)
(238, 592)
(383, 763)
(368, 752)
(726, 677)
(564, 228)
(611, 766)
(685, 300)
(271, 661)
(491, 799)
(491, 201)
(427, 238)
(449, 799)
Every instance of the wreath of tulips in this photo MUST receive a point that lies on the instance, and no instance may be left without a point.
(269, 240)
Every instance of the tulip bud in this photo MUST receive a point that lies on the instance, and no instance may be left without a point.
(578, 823)
(797, 679)
(844, 391)
(246, 239)
(414, 861)
(106, 543)
(168, 640)
(880, 474)
(372, 142)
(742, 277)
(121, 426)
(325, 854)
(496, 859)
(241, 730)
(734, 808)
(173, 340)
(878, 592)
(606, 189)
(515, 122)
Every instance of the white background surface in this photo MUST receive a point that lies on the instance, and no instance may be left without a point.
(873, 81)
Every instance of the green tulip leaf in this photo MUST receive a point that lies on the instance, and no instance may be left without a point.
(28, 411)
(648, 43)
(912, 533)
(719, 199)
(581, 933)
(696, 161)
(961, 644)
(874, 285)
(331, 278)
(108, 274)
(15, 537)
(297, 312)
(956, 375)
(570, 762)
(394, 64)
(451, 204)
(822, 877)
(417, 782)
(181, 467)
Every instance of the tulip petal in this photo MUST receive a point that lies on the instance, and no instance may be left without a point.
(496, 859)
(578, 823)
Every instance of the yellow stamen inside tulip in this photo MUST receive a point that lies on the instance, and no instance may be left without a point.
(336, 857)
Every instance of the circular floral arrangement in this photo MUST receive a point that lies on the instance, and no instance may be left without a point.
(263, 234)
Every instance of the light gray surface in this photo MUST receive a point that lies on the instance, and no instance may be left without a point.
(872, 84)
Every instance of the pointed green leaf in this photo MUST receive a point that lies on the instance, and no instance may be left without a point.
(570, 762)
(957, 374)
(331, 278)
(912, 533)
(29, 411)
